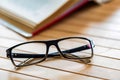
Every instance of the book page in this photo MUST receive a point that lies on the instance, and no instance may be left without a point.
(34, 11)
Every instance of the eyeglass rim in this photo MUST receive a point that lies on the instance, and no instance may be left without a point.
(56, 40)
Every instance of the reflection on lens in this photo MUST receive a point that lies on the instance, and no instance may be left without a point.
(75, 48)
(28, 49)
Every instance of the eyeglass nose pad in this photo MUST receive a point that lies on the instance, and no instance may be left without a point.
(60, 52)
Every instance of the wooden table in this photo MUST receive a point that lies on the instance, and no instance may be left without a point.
(99, 23)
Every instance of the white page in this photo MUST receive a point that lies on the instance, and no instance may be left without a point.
(33, 10)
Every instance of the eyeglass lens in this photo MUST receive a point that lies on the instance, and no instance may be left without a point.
(30, 48)
(75, 48)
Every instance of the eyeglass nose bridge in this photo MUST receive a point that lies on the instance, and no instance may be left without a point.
(52, 42)
(55, 44)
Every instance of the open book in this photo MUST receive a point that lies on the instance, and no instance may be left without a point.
(29, 17)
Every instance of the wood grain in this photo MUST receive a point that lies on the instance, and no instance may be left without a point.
(99, 23)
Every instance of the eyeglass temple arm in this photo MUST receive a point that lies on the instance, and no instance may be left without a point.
(19, 55)
(81, 48)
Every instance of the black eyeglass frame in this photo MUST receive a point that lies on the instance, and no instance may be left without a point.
(48, 44)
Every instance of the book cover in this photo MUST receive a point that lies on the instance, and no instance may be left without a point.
(28, 18)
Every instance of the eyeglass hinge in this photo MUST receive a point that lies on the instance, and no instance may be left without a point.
(8, 54)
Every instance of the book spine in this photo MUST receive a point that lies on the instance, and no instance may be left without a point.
(60, 17)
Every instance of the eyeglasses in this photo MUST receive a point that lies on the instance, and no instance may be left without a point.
(33, 52)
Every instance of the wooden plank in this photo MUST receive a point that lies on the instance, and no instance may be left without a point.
(84, 22)
(97, 50)
(44, 73)
(91, 69)
(77, 67)
(100, 23)
(103, 46)
(15, 42)
(98, 40)
(104, 9)
(7, 75)
(90, 31)
(102, 63)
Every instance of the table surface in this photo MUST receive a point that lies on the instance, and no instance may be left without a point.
(99, 23)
